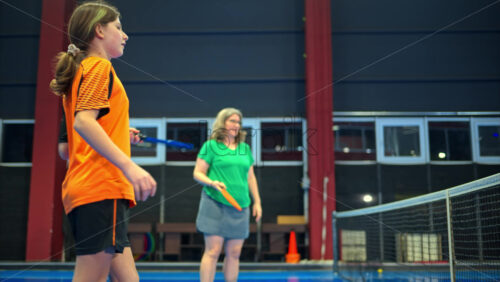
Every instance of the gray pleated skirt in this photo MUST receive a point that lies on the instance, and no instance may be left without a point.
(218, 219)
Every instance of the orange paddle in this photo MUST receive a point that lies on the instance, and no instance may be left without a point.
(230, 199)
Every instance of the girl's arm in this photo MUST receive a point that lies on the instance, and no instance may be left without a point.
(200, 175)
(62, 149)
(254, 191)
(89, 129)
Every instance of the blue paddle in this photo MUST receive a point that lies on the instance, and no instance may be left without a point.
(168, 142)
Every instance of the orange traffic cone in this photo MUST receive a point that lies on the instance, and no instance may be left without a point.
(292, 256)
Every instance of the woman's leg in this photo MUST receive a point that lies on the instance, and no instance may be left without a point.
(94, 267)
(232, 259)
(213, 247)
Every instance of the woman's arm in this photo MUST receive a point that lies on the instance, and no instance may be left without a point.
(200, 175)
(89, 129)
(254, 191)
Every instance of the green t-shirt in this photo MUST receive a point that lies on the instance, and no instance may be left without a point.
(230, 167)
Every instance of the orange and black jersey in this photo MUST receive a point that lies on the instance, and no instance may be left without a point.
(91, 177)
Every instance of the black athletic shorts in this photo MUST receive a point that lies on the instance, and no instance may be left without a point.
(100, 226)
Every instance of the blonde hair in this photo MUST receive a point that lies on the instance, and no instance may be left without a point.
(81, 31)
(219, 132)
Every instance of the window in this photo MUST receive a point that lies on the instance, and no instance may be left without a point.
(186, 131)
(251, 133)
(281, 141)
(251, 126)
(148, 152)
(487, 145)
(146, 149)
(418, 247)
(17, 141)
(354, 140)
(400, 141)
(353, 245)
(449, 140)
(488, 140)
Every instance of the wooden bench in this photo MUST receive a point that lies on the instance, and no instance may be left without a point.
(172, 237)
(179, 237)
(276, 236)
(183, 238)
(136, 233)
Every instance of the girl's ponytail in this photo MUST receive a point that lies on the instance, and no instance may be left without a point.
(66, 68)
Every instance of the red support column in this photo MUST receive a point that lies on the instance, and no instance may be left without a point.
(319, 109)
(44, 238)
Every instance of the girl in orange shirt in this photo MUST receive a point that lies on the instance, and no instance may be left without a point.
(102, 182)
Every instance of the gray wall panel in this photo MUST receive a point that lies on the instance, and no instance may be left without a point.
(254, 99)
(449, 96)
(212, 57)
(20, 17)
(194, 15)
(386, 57)
(19, 60)
(407, 56)
(17, 101)
(352, 15)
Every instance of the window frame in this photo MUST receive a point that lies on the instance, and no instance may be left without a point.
(247, 122)
(159, 124)
(254, 141)
(209, 121)
(381, 123)
(476, 157)
(1, 140)
(451, 119)
(13, 121)
(356, 119)
(280, 162)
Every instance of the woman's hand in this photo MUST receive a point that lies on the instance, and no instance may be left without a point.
(257, 211)
(218, 185)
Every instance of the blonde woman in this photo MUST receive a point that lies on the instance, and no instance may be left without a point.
(225, 162)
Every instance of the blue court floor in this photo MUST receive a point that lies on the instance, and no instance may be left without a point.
(308, 272)
(288, 276)
(65, 275)
(285, 276)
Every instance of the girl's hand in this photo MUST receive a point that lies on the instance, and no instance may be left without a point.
(134, 135)
(143, 183)
(257, 211)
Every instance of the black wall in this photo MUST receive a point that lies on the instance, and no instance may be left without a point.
(416, 55)
(192, 58)
(399, 182)
(279, 188)
(14, 191)
(19, 36)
